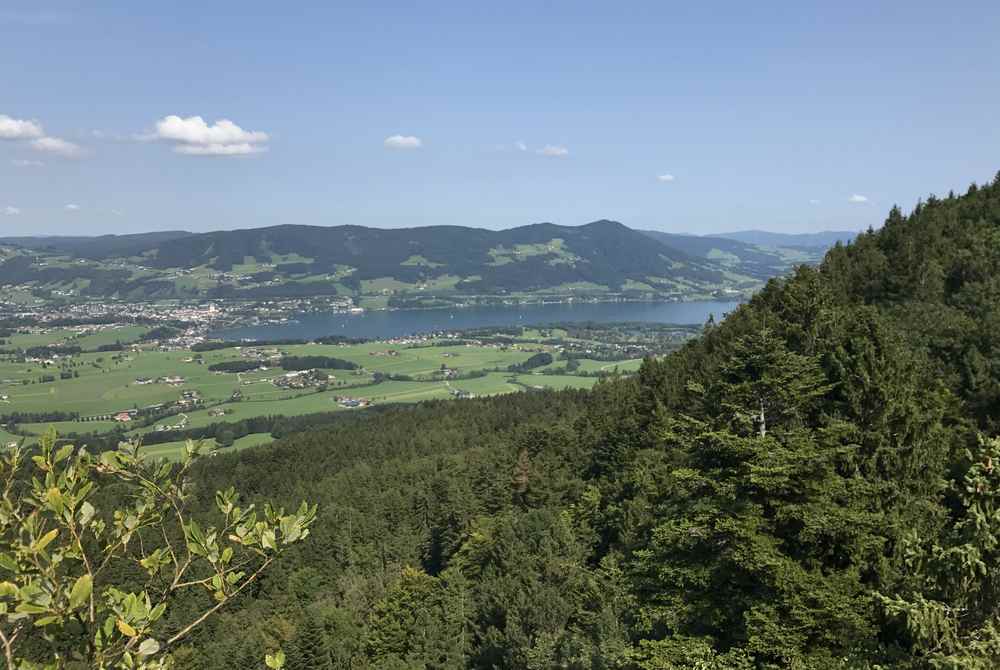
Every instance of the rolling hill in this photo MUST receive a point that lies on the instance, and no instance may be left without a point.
(399, 266)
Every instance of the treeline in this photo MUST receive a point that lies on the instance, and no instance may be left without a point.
(294, 363)
(218, 345)
(14, 418)
(290, 363)
(535, 361)
(234, 366)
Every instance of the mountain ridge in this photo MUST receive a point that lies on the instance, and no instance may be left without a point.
(296, 260)
(766, 238)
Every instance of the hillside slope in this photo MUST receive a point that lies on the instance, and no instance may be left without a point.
(292, 260)
(740, 257)
(763, 238)
(804, 486)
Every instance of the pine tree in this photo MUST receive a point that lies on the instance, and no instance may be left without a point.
(762, 385)
(952, 609)
(311, 650)
(757, 541)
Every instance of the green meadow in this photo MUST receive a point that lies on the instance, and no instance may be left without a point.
(97, 386)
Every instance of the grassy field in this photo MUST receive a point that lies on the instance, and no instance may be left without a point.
(124, 335)
(90, 338)
(68, 427)
(172, 451)
(6, 438)
(557, 382)
(98, 385)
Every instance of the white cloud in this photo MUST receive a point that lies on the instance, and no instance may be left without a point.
(553, 151)
(857, 199)
(194, 130)
(243, 149)
(192, 136)
(814, 201)
(57, 146)
(521, 146)
(403, 142)
(10, 210)
(72, 207)
(666, 178)
(31, 131)
(24, 162)
(19, 129)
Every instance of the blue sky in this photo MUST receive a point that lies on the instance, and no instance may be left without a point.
(686, 117)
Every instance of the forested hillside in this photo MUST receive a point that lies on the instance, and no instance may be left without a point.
(742, 257)
(812, 484)
(297, 260)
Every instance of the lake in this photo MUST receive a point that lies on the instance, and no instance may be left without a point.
(396, 323)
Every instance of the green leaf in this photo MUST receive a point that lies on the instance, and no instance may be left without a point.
(126, 629)
(30, 608)
(275, 661)
(64, 453)
(149, 647)
(86, 513)
(8, 563)
(157, 612)
(46, 620)
(267, 539)
(55, 499)
(45, 540)
(110, 459)
(81, 591)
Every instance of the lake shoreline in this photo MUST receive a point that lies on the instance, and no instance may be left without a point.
(388, 323)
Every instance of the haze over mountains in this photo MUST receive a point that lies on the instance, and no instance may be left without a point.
(302, 261)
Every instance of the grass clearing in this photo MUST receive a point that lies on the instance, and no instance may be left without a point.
(98, 386)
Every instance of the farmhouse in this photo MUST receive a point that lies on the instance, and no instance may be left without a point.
(123, 417)
(352, 402)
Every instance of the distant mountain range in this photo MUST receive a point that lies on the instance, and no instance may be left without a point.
(762, 238)
(401, 267)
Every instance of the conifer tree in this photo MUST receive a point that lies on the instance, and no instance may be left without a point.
(952, 609)
(311, 649)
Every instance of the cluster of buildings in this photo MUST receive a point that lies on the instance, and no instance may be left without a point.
(172, 380)
(302, 379)
(352, 403)
(188, 401)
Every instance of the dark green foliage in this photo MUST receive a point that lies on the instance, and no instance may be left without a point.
(536, 361)
(313, 362)
(310, 646)
(803, 486)
(234, 366)
(420, 622)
